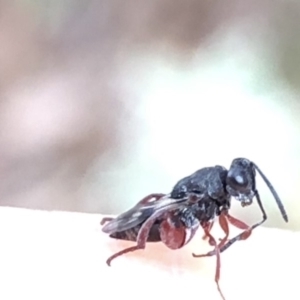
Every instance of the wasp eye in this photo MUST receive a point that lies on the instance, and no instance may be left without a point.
(240, 180)
(237, 180)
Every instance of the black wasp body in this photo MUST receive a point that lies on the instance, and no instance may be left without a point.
(202, 195)
(195, 201)
(206, 197)
(208, 186)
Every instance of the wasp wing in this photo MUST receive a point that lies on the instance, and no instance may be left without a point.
(138, 214)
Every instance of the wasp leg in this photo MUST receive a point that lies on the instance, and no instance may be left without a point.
(248, 229)
(130, 249)
(233, 221)
(143, 233)
(209, 227)
(237, 223)
(224, 225)
(225, 244)
(213, 242)
(141, 243)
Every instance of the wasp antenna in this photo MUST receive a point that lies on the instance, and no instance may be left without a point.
(278, 201)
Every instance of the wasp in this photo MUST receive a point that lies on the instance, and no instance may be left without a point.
(195, 201)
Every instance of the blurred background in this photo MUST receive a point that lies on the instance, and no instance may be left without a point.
(103, 102)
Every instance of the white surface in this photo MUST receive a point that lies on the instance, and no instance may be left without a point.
(59, 255)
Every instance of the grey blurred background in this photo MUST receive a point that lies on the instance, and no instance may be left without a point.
(104, 102)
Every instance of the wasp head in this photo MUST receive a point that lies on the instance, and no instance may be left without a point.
(240, 181)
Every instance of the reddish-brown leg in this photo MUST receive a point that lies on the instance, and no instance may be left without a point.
(242, 236)
(143, 233)
(237, 223)
(241, 225)
(213, 242)
(224, 225)
(247, 229)
(139, 246)
(209, 227)
(141, 243)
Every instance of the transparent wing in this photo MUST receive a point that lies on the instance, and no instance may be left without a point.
(139, 213)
